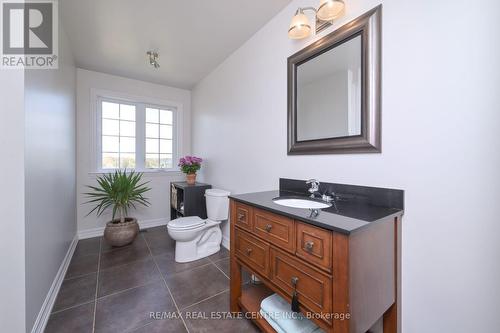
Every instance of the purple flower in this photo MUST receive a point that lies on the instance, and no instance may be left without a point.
(190, 164)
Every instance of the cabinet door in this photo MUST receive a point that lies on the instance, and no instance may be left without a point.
(314, 245)
(314, 288)
(242, 216)
(253, 252)
(276, 229)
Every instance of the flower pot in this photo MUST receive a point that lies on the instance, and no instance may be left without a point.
(121, 234)
(191, 178)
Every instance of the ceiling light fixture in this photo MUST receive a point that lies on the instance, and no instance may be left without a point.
(153, 58)
(327, 11)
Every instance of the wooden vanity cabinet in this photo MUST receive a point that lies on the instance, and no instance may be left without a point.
(344, 282)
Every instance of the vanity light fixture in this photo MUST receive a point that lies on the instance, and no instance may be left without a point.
(153, 59)
(327, 11)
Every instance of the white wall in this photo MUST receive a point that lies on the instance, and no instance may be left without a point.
(50, 155)
(440, 125)
(12, 251)
(159, 211)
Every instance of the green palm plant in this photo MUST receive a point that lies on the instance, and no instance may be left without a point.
(119, 190)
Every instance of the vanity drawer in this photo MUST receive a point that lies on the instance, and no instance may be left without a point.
(252, 251)
(314, 288)
(275, 229)
(314, 245)
(242, 216)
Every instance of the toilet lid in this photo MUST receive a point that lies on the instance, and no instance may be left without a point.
(186, 222)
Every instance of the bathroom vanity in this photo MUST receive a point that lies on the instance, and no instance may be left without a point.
(341, 262)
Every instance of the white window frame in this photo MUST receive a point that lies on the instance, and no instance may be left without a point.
(141, 103)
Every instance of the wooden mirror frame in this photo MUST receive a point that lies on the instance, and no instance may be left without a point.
(368, 26)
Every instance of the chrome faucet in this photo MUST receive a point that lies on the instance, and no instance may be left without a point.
(330, 198)
(314, 187)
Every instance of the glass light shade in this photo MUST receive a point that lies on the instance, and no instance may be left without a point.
(330, 9)
(299, 27)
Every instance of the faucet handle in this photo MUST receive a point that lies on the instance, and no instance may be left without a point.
(327, 198)
(312, 181)
(314, 184)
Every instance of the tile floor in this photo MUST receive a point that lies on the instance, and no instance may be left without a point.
(116, 289)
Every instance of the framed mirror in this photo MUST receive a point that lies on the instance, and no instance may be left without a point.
(334, 91)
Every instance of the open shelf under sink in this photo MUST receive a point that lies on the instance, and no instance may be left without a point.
(251, 297)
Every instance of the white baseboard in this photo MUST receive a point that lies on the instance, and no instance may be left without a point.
(99, 231)
(48, 303)
(225, 242)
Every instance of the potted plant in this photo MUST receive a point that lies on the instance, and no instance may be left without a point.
(118, 191)
(189, 165)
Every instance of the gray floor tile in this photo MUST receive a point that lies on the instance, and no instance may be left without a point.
(159, 241)
(224, 266)
(131, 309)
(75, 320)
(82, 265)
(192, 286)
(223, 253)
(87, 246)
(76, 291)
(138, 243)
(124, 255)
(163, 326)
(206, 323)
(168, 266)
(127, 276)
(155, 232)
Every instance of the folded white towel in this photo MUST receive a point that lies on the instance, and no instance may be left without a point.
(271, 322)
(278, 310)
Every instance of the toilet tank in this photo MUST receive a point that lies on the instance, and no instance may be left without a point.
(217, 204)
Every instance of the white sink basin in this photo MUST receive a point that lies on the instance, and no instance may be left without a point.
(301, 203)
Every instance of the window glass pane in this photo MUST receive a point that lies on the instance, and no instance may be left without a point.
(152, 115)
(110, 127)
(118, 136)
(110, 110)
(166, 146)
(127, 145)
(166, 117)
(165, 131)
(127, 161)
(152, 146)
(152, 161)
(110, 144)
(152, 130)
(127, 128)
(165, 161)
(127, 112)
(109, 160)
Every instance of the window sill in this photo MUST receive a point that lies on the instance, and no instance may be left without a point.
(145, 172)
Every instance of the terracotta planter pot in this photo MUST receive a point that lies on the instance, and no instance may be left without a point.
(191, 178)
(121, 234)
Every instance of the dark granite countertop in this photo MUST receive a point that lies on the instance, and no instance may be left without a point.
(348, 215)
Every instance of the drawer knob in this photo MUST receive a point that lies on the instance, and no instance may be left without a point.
(309, 246)
(249, 251)
(268, 227)
(241, 216)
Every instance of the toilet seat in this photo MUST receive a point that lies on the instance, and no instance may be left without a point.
(186, 223)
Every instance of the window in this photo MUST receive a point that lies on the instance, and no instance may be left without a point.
(158, 138)
(118, 135)
(135, 135)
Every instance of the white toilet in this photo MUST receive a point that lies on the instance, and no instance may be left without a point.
(196, 238)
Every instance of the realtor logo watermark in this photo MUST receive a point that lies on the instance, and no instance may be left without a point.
(29, 34)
